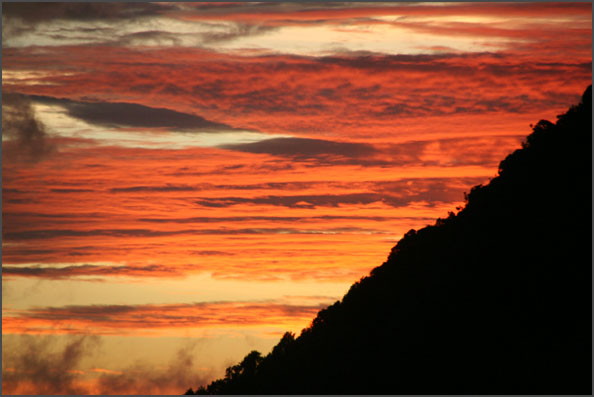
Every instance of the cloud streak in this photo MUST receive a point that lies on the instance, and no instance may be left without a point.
(126, 319)
(290, 201)
(394, 194)
(64, 272)
(170, 188)
(305, 148)
(118, 114)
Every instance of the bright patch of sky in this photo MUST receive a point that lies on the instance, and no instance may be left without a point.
(140, 291)
(329, 39)
(313, 40)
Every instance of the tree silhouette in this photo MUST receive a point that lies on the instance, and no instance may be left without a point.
(494, 299)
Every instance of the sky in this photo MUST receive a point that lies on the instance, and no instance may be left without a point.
(182, 183)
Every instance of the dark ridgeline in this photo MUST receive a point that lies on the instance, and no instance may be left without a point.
(493, 300)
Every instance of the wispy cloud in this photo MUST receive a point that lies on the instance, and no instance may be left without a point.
(34, 366)
(145, 378)
(27, 139)
(42, 365)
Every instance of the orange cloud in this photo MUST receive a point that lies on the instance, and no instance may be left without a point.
(353, 96)
(208, 221)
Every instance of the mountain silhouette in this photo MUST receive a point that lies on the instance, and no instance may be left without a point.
(495, 299)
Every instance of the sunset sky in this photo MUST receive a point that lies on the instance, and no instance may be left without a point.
(184, 182)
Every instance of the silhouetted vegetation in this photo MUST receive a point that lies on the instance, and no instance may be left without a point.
(495, 299)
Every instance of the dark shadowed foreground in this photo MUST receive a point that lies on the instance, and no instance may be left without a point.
(493, 300)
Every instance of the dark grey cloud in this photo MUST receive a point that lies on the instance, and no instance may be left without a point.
(318, 152)
(17, 201)
(405, 109)
(203, 219)
(49, 217)
(396, 194)
(58, 273)
(305, 147)
(269, 185)
(55, 233)
(71, 190)
(142, 378)
(168, 188)
(225, 8)
(133, 115)
(34, 362)
(36, 12)
(296, 201)
(16, 215)
(64, 233)
(20, 18)
(381, 62)
(27, 139)
(263, 166)
(10, 191)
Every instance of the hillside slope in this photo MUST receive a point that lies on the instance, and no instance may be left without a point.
(493, 300)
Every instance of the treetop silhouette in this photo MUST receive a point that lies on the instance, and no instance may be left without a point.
(495, 299)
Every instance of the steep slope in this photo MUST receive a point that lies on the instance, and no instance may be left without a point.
(495, 299)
